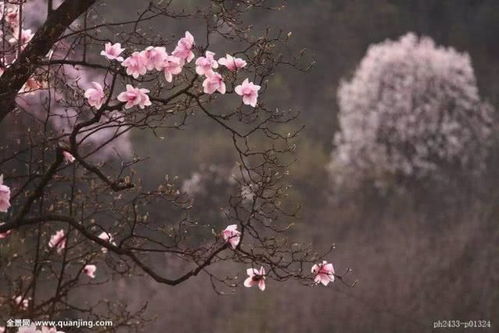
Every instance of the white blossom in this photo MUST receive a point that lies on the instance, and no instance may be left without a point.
(411, 109)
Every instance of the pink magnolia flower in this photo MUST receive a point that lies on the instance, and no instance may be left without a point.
(205, 64)
(26, 36)
(213, 82)
(113, 51)
(68, 157)
(105, 236)
(255, 278)
(324, 273)
(2, 329)
(90, 270)
(184, 48)
(4, 235)
(232, 63)
(23, 303)
(155, 57)
(249, 92)
(58, 240)
(12, 18)
(95, 95)
(136, 64)
(134, 96)
(232, 235)
(108, 238)
(4, 196)
(172, 66)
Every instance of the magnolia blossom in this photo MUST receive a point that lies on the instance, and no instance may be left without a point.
(411, 110)
(155, 57)
(68, 157)
(171, 66)
(4, 234)
(112, 51)
(232, 235)
(134, 96)
(105, 236)
(90, 270)
(232, 63)
(136, 64)
(2, 329)
(58, 240)
(4, 196)
(324, 273)
(184, 48)
(108, 238)
(95, 95)
(26, 36)
(249, 92)
(12, 17)
(22, 302)
(255, 278)
(213, 82)
(206, 64)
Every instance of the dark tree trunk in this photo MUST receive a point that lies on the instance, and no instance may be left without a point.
(16, 75)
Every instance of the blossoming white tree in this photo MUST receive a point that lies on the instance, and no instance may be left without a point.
(411, 110)
(75, 210)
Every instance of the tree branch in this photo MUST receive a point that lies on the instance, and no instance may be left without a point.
(16, 75)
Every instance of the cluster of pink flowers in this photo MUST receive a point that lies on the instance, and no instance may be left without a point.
(58, 241)
(20, 36)
(17, 37)
(157, 58)
(323, 273)
(24, 39)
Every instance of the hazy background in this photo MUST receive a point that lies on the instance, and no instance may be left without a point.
(419, 255)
